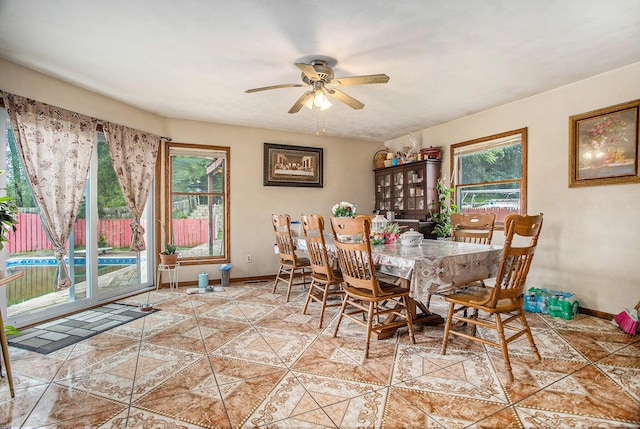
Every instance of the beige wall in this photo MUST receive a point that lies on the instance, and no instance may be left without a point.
(590, 243)
(347, 177)
(28, 83)
(347, 166)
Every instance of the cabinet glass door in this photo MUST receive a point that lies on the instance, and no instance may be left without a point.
(383, 192)
(398, 191)
(415, 189)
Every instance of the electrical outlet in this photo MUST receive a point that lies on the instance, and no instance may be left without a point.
(249, 259)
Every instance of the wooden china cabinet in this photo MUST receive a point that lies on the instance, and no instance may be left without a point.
(408, 190)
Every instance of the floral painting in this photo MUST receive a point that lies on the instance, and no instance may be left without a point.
(604, 146)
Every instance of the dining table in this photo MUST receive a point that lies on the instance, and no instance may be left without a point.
(433, 267)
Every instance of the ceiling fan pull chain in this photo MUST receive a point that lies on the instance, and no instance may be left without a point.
(324, 127)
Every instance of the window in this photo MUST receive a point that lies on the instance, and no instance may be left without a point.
(198, 202)
(100, 263)
(489, 174)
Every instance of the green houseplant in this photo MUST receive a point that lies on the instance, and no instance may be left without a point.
(169, 256)
(442, 216)
(169, 249)
(8, 219)
(8, 222)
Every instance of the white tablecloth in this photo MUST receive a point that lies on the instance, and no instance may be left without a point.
(433, 267)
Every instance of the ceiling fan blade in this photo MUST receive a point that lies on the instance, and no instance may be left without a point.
(308, 71)
(265, 88)
(298, 104)
(346, 99)
(358, 80)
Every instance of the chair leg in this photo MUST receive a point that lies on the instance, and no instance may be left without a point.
(278, 278)
(324, 303)
(503, 346)
(7, 362)
(445, 340)
(342, 310)
(292, 276)
(523, 320)
(409, 319)
(369, 328)
(306, 303)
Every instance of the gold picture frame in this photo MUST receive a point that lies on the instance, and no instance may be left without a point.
(603, 146)
(298, 166)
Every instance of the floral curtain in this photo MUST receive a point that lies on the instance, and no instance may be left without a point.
(134, 155)
(55, 146)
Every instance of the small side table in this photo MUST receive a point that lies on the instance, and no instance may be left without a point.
(172, 271)
(4, 279)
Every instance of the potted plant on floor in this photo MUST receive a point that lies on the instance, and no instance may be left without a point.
(445, 207)
(169, 256)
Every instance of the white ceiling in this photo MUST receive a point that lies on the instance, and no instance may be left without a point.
(445, 59)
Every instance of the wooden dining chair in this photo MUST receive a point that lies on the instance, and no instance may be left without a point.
(325, 281)
(369, 297)
(504, 300)
(291, 265)
(472, 227)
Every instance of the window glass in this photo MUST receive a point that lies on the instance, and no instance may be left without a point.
(198, 195)
(489, 174)
(100, 263)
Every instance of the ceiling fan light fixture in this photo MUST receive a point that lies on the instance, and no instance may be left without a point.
(308, 102)
(319, 99)
(326, 104)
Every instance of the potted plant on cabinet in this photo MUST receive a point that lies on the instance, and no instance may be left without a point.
(169, 256)
(442, 216)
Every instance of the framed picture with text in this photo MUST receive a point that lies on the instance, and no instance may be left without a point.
(286, 165)
(603, 146)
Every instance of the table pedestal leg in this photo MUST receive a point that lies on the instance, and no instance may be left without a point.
(424, 318)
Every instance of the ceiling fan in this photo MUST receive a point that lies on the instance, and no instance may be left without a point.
(319, 76)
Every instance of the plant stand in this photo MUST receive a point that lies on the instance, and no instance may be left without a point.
(172, 271)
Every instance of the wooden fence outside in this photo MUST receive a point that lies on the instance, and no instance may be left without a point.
(501, 212)
(29, 235)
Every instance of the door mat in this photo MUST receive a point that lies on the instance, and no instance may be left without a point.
(65, 331)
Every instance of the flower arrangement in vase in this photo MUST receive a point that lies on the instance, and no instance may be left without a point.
(386, 235)
(344, 209)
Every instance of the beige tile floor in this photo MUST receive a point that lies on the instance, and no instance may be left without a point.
(244, 358)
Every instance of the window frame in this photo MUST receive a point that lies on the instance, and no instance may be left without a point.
(484, 142)
(167, 213)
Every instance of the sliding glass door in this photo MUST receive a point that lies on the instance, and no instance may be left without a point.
(100, 263)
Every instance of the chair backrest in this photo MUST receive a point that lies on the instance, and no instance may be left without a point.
(313, 229)
(351, 237)
(516, 258)
(472, 227)
(282, 228)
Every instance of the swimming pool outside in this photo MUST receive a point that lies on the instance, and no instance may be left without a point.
(49, 261)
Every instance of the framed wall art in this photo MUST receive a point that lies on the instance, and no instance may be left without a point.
(603, 146)
(286, 165)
